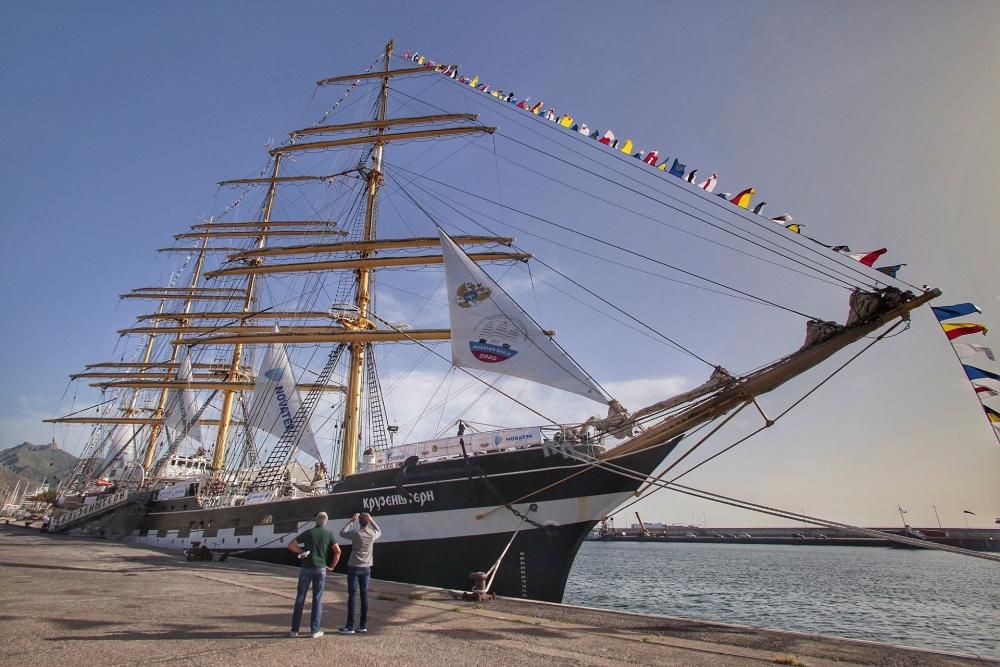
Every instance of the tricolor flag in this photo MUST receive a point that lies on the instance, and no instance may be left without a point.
(677, 168)
(868, 258)
(708, 185)
(966, 350)
(974, 373)
(523, 104)
(652, 157)
(608, 137)
(955, 329)
(538, 107)
(690, 177)
(743, 199)
(794, 228)
(890, 271)
(627, 148)
(783, 218)
(959, 309)
(759, 207)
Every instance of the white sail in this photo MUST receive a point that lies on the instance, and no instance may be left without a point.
(276, 400)
(115, 445)
(489, 331)
(180, 414)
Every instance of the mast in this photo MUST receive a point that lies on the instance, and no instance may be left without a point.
(355, 376)
(226, 412)
(154, 430)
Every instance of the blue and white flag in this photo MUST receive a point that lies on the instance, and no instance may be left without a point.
(489, 331)
(276, 400)
(943, 313)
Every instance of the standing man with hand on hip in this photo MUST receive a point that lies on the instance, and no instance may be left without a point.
(362, 531)
(318, 554)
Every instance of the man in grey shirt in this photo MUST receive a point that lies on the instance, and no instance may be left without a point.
(362, 531)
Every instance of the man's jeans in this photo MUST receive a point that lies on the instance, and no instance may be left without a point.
(316, 576)
(357, 578)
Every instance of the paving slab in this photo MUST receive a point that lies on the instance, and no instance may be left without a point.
(77, 601)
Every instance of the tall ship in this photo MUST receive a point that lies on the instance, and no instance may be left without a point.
(256, 387)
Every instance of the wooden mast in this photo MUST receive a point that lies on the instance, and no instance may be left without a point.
(156, 427)
(226, 412)
(355, 375)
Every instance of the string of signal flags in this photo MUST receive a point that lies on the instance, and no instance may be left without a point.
(674, 168)
(986, 383)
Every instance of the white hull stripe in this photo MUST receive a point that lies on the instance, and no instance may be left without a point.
(418, 526)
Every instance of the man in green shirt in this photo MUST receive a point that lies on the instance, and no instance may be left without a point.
(318, 554)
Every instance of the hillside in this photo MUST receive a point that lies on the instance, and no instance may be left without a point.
(37, 462)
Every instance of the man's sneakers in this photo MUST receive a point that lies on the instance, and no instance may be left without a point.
(317, 634)
(348, 630)
(293, 634)
(362, 630)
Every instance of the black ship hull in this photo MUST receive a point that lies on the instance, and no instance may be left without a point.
(440, 520)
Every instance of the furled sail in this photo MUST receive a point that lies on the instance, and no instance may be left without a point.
(179, 416)
(489, 331)
(276, 400)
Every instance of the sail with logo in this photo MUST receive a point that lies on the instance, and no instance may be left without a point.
(276, 400)
(490, 332)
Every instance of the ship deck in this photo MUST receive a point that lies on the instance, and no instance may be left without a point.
(71, 601)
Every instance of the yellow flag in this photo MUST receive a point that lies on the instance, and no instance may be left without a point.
(663, 166)
(566, 121)
(474, 81)
(794, 227)
(421, 61)
(627, 148)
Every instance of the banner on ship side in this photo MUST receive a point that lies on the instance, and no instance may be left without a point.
(474, 442)
(276, 400)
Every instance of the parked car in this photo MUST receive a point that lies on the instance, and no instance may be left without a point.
(745, 536)
(690, 535)
(821, 536)
(799, 536)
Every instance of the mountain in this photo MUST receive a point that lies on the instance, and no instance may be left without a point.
(37, 462)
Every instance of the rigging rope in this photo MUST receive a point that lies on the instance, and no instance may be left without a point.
(631, 162)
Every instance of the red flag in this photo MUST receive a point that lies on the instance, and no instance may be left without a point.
(868, 258)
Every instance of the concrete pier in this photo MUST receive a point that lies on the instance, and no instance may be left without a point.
(75, 601)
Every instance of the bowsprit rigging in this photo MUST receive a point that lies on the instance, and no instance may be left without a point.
(254, 400)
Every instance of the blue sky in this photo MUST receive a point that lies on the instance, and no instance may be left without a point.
(873, 124)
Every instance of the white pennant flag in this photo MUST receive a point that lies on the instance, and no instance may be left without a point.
(181, 411)
(966, 350)
(276, 400)
(489, 331)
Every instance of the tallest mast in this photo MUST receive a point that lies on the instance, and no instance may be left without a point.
(355, 376)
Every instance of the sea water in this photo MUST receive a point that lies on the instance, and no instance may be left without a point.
(922, 598)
